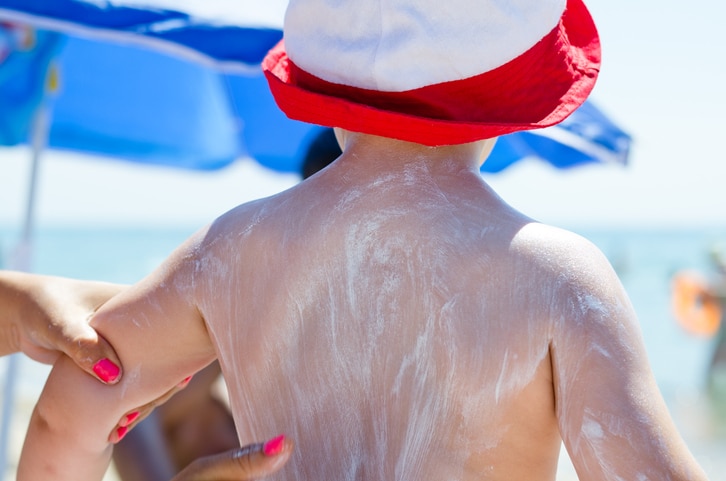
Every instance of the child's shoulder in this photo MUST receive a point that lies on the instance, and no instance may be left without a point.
(244, 216)
(559, 251)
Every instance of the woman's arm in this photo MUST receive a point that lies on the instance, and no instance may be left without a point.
(161, 339)
(44, 316)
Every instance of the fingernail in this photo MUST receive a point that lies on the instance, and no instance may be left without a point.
(131, 417)
(121, 432)
(274, 446)
(106, 370)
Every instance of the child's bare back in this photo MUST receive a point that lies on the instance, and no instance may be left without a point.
(415, 321)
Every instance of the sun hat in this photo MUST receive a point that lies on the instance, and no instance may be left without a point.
(434, 72)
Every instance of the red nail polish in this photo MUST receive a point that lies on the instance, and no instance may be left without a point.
(106, 370)
(121, 432)
(131, 417)
(274, 446)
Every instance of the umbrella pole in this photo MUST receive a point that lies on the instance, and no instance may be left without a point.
(8, 405)
(20, 260)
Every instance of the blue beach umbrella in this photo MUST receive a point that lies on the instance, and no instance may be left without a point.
(177, 83)
(143, 105)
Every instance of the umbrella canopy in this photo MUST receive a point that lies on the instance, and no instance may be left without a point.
(178, 83)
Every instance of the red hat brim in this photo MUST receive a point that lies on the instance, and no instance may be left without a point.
(539, 88)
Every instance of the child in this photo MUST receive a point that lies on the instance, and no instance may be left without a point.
(391, 313)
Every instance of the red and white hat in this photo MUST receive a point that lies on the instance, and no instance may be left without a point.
(435, 72)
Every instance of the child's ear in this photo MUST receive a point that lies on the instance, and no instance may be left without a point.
(340, 137)
(487, 147)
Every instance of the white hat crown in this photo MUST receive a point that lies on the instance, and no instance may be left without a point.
(399, 45)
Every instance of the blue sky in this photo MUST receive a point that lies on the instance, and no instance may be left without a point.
(664, 68)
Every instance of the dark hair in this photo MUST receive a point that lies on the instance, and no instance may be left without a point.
(322, 151)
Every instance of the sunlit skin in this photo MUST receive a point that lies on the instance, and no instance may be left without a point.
(46, 316)
(398, 320)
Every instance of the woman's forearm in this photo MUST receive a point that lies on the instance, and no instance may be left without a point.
(43, 316)
(13, 294)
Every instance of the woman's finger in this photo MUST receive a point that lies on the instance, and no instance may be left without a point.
(129, 420)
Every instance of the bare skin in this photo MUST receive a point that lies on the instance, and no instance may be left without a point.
(191, 424)
(399, 321)
(46, 316)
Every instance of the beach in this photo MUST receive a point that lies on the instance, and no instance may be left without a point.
(644, 259)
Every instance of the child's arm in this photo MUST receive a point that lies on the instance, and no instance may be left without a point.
(161, 339)
(612, 417)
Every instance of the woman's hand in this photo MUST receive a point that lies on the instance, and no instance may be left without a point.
(129, 420)
(44, 316)
(251, 462)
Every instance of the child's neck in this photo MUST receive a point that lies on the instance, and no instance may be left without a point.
(362, 152)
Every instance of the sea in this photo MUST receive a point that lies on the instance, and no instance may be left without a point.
(644, 258)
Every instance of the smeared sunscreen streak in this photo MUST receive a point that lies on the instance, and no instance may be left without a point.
(131, 377)
(367, 334)
(503, 372)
